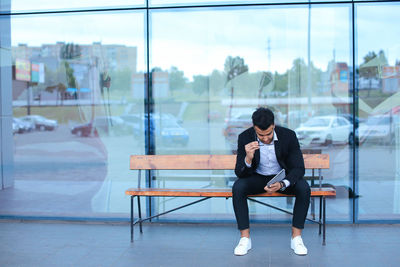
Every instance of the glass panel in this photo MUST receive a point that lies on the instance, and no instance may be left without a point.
(213, 67)
(159, 3)
(75, 77)
(16, 6)
(378, 56)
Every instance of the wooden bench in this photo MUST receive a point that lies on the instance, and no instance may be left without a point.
(216, 162)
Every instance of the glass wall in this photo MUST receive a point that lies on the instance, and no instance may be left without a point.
(221, 66)
(378, 63)
(76, 79)
(89, 88)
(23, 6)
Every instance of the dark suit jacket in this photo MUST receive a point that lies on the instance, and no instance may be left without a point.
(287, 152)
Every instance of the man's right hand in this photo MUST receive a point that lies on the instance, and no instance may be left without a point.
(250, 149)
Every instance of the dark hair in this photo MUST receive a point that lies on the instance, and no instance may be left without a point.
(263, 118)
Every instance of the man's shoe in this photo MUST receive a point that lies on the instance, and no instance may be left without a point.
(298, 246)
(243, 246)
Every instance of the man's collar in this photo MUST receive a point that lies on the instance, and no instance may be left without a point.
(275, 136)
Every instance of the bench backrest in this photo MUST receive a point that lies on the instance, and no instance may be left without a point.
(208, 162)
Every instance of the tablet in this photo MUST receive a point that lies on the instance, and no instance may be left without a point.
(278, 177)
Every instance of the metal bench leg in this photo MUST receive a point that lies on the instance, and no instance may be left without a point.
(320, 215)
(140, 214)
(324, 220)
(313, 208)
(132, 218)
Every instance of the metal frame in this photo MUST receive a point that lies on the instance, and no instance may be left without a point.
(321, 221)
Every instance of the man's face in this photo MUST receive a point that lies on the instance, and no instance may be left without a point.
(265, 136)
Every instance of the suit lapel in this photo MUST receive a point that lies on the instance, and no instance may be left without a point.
(257, 152)
(277, 149)
(277, 145)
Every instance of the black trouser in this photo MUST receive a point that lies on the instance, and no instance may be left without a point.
(255, 185)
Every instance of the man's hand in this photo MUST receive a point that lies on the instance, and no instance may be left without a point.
(273, 187)
(250, 149)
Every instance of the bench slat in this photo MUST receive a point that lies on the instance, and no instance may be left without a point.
(208, 162)
(224, 192)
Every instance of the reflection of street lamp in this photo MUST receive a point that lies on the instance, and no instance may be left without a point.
(309, 62)
(235, 67)
(266, 79)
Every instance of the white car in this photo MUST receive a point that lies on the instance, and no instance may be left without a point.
(41, 123)
(325, 130)
(377, 128)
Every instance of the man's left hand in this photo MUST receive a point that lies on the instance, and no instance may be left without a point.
(273, 187)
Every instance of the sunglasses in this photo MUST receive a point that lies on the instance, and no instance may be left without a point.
(259, 142)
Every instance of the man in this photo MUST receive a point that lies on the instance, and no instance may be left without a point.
(263, 151)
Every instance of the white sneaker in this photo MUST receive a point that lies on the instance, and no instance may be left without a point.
(298, 246)
(243, 246)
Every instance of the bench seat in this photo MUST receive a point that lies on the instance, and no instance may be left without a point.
(167, 192)
(313, 162)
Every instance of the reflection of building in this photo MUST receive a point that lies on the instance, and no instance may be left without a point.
(390, 79)
(160, 84)
(339, 79)
(87, 62)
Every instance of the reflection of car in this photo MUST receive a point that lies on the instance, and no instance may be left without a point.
(349, 117)
(101, 124)
(41, 123)
(165, 128)
(22, 126)
(377, 128)
(14, 127)
(214, 115)
(324, 130)
(82, 129)
(240, 121)
(235, 125)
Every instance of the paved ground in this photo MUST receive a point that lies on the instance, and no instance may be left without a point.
(74, 244)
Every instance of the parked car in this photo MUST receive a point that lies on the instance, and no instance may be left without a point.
(235, 125)
(165, 128)
(377, 129)
(324, 130)
(41, 123)
(22, 126)
(14, 127)
(102, 124)
(240, 121)
(349, 117)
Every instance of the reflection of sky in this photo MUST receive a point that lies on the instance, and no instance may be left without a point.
(24, 5)
(205, 38)
(198, 41)
(378, 28)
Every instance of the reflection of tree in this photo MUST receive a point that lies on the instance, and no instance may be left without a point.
(70, 51)
(298, 80)
(200, 84)
(60, 87)
(281, 82)
(234, 67)
(370, 74)
(177, 79)
(71, 80)
(371, 67)
(121, 79)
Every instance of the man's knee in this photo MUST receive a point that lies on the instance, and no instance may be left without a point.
(239, 188)
(302, 188)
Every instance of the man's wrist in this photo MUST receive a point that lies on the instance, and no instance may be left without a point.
(247, 163)
(283, 186)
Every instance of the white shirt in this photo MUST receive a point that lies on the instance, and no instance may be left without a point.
(268, 162)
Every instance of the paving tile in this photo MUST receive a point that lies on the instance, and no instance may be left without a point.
(169, 244)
